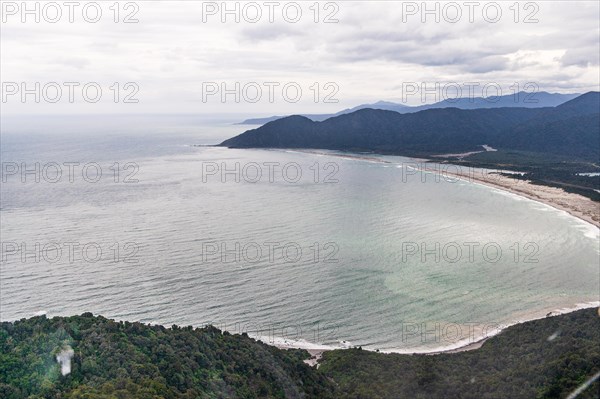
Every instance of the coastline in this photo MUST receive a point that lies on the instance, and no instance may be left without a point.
(316, 351)
(575, 205)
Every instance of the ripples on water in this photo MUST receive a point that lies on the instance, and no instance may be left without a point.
(371, 296)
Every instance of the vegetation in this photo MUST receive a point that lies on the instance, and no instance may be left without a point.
(552, 145)
(133, 360)
(546, 358)
(521, 99)
(571, 129)
(555, 171)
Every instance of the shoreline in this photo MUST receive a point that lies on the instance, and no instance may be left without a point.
(317, 351)
(575, 205)
(464, 345)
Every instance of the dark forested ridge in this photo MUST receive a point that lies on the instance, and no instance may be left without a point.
(570, 129)
(520, 99)
(547, 358)
(133, 360)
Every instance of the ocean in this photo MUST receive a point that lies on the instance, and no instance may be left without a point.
(139, 219)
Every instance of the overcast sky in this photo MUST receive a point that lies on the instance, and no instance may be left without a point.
(181, 51)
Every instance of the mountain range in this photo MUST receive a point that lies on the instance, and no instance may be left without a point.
(520, 99)
(571, 129)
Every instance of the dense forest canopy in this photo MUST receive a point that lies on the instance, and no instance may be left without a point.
(546, 358)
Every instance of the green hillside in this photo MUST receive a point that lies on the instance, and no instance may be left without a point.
(547, 358)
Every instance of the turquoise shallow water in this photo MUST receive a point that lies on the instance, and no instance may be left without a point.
(364, 252)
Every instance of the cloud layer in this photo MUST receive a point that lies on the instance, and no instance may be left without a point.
(375, 47)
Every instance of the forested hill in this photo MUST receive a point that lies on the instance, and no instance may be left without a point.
(132, 360)
(520, 99)
(570, 129)
(546, 358)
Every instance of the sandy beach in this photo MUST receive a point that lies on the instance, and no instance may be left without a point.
(317, 351)
(317, 354)
(574, 204)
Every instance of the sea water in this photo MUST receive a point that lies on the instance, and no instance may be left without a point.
(299, 248)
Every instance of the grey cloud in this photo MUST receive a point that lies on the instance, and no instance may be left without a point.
(72, 62)
(446, 53)
(269, 32)
(486, 64)
(582, 57)
(171, 52)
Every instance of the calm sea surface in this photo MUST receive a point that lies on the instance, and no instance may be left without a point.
(288, 245)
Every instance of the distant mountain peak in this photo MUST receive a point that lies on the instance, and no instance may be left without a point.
(521, 99)
(571, 129)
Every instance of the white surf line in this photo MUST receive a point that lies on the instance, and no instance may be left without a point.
(459, 346)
